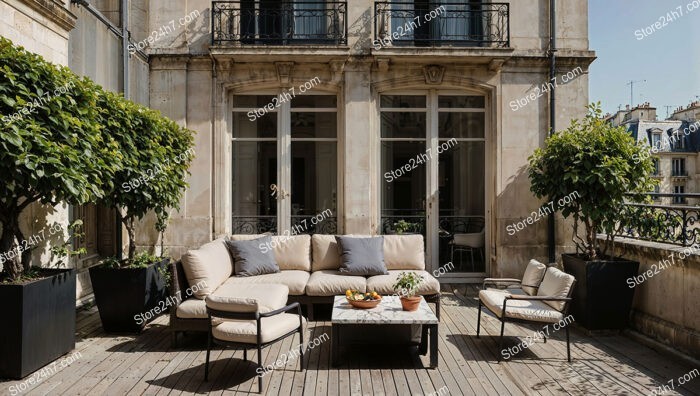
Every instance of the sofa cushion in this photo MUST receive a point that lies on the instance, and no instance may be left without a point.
(534, 272)
(250, 257)
(192, 308)
(211, 265)
(519, 309)
(404, 252)
(325, 252)
(333, 283)
(361, 256)
(556, 283)
(382, 284)
(292, 252)
(248, 297)
(294, 280)
(245, 331)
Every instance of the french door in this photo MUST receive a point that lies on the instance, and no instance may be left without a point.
(284, 164)
(433, 175)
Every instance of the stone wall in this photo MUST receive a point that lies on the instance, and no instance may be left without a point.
(665, 306)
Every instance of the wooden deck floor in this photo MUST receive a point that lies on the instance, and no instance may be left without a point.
(146, 364)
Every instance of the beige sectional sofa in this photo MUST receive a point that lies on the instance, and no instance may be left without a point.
(309, 267)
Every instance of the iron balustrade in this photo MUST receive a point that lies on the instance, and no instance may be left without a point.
(434, 23)
(679, 173)
(674, 224)
(301, 224)
(279, 22)
(254, 224)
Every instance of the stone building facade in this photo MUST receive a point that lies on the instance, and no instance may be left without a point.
(389, 99)
(414, 112)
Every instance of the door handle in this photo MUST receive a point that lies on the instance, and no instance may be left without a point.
(281, 193)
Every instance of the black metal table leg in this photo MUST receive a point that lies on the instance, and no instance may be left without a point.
(423, 347)
(433, 346)
(335, 345)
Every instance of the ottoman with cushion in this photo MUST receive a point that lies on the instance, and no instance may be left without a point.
(252, 317)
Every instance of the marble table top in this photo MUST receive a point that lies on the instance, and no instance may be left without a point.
(388, 311)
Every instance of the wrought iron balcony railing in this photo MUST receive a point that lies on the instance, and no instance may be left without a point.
(679, 173)
(675, 224)
(433, 23)
(264, 22)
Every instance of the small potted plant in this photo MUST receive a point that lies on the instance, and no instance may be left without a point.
(402, 226)
(406, 287)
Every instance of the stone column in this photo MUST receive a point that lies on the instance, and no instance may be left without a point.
(358, 150)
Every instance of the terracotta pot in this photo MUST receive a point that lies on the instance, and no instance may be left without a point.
(410, 303)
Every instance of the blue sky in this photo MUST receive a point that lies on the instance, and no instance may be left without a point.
(668, 59)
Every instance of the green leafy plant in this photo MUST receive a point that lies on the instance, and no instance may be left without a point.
(65, 251)
(407, 284)
(162, 220)
(142, 260)
(111, 262)
(402, 226)
(602, 164)
(52, 149)
(164, 273)
(157, 156)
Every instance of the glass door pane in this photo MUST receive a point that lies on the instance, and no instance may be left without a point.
(254, 166)
(314, 194)
(403, 163)
(314, 172)
(461, 186)
(461, 182)
(403, 187)
(254, 171)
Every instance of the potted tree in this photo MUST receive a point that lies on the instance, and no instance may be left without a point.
(158, 152)
(52, 152)
(406, 287)
(602, 164)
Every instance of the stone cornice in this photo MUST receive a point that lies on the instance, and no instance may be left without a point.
(55, 11)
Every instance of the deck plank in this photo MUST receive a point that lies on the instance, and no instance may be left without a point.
(146, 364)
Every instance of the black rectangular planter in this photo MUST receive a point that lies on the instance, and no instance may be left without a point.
(602, 298)
(39, 322)
(125, 294)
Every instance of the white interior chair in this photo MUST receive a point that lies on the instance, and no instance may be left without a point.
(469, 243)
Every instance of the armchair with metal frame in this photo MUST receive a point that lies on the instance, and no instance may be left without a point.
(539, 311)
(260, 343)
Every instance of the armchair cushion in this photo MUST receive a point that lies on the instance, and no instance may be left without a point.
(535, 311)
(361, 256)
(245, 331)
(534, 272)
(248, 298)
(252, 257)
(556, 284)
(404, 252)
(210, 264)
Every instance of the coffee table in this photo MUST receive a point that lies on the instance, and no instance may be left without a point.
(346, 318)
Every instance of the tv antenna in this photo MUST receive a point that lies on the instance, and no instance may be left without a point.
(669, 107)
(631, 84)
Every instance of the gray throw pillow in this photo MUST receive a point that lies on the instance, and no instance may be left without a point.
(249, 259)
(362, 256)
